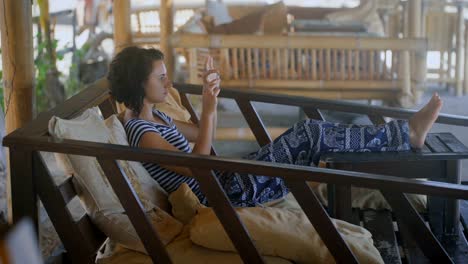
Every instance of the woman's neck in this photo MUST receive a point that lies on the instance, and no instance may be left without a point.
(146, 112)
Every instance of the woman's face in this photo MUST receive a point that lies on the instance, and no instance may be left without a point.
(157, 85)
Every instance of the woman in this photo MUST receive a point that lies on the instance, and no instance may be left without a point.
(138, 79)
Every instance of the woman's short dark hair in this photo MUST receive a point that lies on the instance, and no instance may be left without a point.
(129, 69)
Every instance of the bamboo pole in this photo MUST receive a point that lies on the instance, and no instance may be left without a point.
(459, 55)
(18, 83)
(188, 40)
(415, 31)
(122, 25)
(405, 77)
(166, 22)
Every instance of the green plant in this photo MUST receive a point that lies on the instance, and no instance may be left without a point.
(43, 66)
(73, 84)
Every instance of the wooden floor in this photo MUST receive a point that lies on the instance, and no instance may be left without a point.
(397, 246)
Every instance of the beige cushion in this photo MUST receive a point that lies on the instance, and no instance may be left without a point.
(193, 25)
(277, 232)
(283, 233)
(173, 106)
(370, 198)
(219, 12)
(249, 24)
(366, 13)
(275, 19)
(181, 251)
(185, 203)
(94, 189)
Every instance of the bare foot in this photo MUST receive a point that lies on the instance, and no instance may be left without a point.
(421, 122)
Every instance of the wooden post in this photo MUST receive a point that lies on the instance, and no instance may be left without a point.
(18, 80)
(122, 25)
(166, 12)
(459, 56)
(405, 78)
(415, 31)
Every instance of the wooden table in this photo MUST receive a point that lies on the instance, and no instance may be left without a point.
(439, 160)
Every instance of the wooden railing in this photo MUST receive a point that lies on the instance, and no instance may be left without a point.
(28, 175)
(314, 66)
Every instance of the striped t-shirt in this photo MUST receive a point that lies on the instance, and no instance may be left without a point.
(168, 180)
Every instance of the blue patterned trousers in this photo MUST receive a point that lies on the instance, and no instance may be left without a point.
(302, 144)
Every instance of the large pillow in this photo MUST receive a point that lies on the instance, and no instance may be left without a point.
(173, 106)
(370, 198)
(193, 25)
(275, 19)
(94, 189)
(219, 12)
(185, 203)
(181, 251)
(249, 24)
(282, 233)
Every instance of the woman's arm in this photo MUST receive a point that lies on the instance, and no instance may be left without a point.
(155, 141)
(189, 130)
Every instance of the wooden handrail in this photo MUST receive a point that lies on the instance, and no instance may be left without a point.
(187, 40)
(290, 172)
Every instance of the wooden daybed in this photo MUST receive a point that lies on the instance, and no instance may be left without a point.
(318, 66)
(30, 175)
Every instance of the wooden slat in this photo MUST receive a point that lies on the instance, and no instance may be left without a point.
(355, 218)
(134, 209)
(271, 63)
(308, 63)
(231, 222)
(227, 64)
(242, 68)
(343, 202)
(285, 60)
(264, 64)
(257, 64)
(328, 64)
(299, 64)
(371, 65)
(412, 252)
(235, 65)
(108, 108)
(67, 190)
(349, 66)
(188, 40)
(321, 222)
(357, 69)
(81, 246)
(452, 142)
(254, 121)
(321, 64)
(120, 152)
(343, 65)
(380, 224)
(452, 208)
(434, 143)
(409, 217)
(249, 64)
(313, 113)
(313, 63)
(278, 63)
(292, 68)
(22, 180)
(334, 61)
